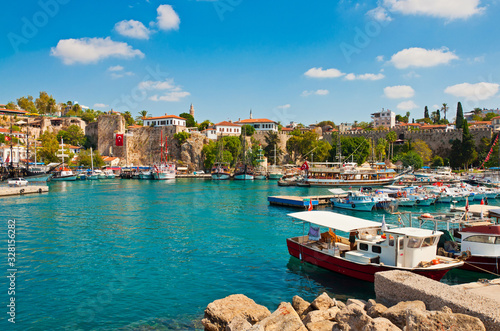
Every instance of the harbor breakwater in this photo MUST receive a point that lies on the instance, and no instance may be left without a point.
(405, 301)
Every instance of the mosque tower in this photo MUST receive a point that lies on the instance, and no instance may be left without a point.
(191, 110)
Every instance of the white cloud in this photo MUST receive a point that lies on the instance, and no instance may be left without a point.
(379, 14)
(317, 92)
(172, 92)
(448, 9)
(167, 18)
(132, 29)
(475, 92)
(284, 106)
(421, 57)
(380, 58)
(411, 74)
(364, 76)
(399, 91)
(407, 105)
(115, 68)
(92, 50)
(323, 73)
(100, 105)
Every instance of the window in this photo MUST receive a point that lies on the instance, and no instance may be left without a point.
(377, 249)
(363, 247)
(429, 241)
(483, 239)
(414, 242)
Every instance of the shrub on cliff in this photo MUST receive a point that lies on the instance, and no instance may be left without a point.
(182, 137)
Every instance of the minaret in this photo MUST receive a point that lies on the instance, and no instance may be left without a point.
(191, 110)
(251, 114)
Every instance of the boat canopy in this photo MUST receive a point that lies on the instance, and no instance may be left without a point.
(337, 191)
(334, 220)
(415, 232)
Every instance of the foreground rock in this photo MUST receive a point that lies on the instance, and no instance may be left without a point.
(239, 313)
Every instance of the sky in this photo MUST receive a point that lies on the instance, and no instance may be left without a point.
(302, 61)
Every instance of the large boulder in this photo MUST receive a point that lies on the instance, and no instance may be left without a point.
(321, 315)
(353, 317)
(376, 310)
(381, 323)
(321, 326)
(418, 320)
(221, 312)
(360, 303)
(323, 302)
(301, 306)
(238, 324)
(285, 318)
(397, 314)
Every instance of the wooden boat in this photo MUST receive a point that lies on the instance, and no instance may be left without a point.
(409, 249)
(244, 169)
(220, 170)
(165, 170)
(62, 173)
(274, 172)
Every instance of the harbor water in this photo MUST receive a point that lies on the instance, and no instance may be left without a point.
(131, 254)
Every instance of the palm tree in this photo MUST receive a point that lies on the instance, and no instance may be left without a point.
(142, 115)
(391, 138)
(444, 109)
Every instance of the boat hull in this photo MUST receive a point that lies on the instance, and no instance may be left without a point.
(481, 263)
(275, 176)
(220, 176)
(364, 272)
(260, 177)
(163, 176)
(244, 177)
(146, 176)
(350, 183)
(39, 178)
(354, 206)
(64, 178)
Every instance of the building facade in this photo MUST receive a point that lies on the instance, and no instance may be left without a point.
(223, 129)
(167, 120)
(260, 124)
(385, 118)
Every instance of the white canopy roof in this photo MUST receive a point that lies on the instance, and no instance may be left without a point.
(415, 232)
(337, 191)
(334, 220)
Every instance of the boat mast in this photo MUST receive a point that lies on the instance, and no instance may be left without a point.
(275, 155)
(92, 160)
(161, 147)
(166, 149)
(339, 150)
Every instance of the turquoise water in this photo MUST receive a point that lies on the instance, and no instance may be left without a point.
(126, 254)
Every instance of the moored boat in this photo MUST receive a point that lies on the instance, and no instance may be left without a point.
(354, 200)
(370, 248)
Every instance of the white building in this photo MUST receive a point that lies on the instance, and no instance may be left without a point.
(260, 124)
(223, 129)
(167, 120)
(495, 122)
(18, 153)
(385, 118)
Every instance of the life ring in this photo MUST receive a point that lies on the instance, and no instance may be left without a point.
(399, 194)
(22, 191)
(353, 205)
(418, 201)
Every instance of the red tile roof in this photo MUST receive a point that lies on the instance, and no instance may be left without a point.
(255, 120)
(225, 123)
(164, 117)
(287, 129)
(14, 111)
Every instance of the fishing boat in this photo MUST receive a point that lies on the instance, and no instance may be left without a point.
(370, 248)
(220, 169)
(109, 174)
(62, 173)
(165, 170)
(244, 170)
(93, 174)
(146, 174)
(354, 200)
(260, 171)
(274, 172)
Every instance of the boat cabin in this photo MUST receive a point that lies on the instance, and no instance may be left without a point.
(483, 240)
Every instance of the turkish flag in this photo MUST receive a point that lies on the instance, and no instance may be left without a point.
(7, 138)
(119, 139)
(305, 166)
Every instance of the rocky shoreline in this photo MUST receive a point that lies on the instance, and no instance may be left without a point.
(240, 313)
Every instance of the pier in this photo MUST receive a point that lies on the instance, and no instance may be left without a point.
(302, 201)
(21, 190)
(488, 210)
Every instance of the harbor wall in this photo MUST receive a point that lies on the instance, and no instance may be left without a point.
(392, 287)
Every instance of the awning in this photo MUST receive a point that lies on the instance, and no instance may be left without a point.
(337, 191)
(335, 221)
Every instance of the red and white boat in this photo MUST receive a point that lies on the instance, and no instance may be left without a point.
(409, 249)
(483, 243)
(164, 170)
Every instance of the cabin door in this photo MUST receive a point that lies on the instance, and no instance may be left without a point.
(400, 252)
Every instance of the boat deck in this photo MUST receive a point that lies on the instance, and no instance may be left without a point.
(476, 210)
(302, 201)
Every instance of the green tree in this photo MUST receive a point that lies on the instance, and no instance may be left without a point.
(445, 109)
(85, 159)
(128, 118)
(88, 116)
(190, 122)
(45, 103)
(248, 130)
(426, 112)
(10, 105)
(437, 161)
(203, 125)
(27, 104)
(272, 140)
(74, 135)
(410, 159)
(489, 116)
(356, 149)
(391, 138)
(469, 153)
(322, 124)
(49, 148)
(182, 137)
(422, 149)
(460, 116)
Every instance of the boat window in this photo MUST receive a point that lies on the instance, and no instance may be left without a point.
(414, 242)
(363, 247)
(376, 249)
(429, 241)
(482, 239)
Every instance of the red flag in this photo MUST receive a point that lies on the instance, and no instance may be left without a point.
(482, 201)
(310, 205)
(305, 166)
(119, 139)
(8, 158)
(7, 138)
(467, 204)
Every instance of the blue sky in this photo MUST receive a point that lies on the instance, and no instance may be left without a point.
(286, 60)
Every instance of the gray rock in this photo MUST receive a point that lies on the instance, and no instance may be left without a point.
(353, 317)
(418, 320)
(397, 314)
(321, 326)
(220, 313)
(323, 302)
(376, 310)
(381, 323)
(285, 318)
(238, 324)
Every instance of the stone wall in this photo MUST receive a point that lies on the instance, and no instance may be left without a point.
(284, 158)
(38, 125)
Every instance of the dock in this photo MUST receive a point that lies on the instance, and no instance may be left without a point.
(488, 210)
(301, 201)
(21, 190)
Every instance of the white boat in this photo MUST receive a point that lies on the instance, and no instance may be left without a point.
(165, 170)
(354, 200)
(63, 173)
(274, 172)
(371, 247)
